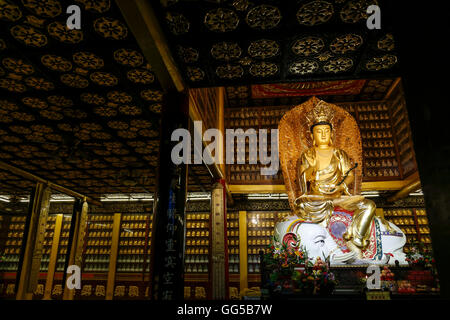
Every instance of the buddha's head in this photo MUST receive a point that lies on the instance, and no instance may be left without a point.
(321, 134)
(320, 118)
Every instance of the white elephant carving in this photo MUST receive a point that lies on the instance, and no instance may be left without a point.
(318, 242)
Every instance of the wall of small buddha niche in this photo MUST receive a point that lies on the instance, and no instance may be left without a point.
(132, 269)
(386, 139)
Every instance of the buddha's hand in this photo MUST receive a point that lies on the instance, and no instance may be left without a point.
(310, 174)
(311, 161)
(300, 200)
(337, 188)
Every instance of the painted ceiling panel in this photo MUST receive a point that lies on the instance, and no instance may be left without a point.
(236, 42)
(78, 107)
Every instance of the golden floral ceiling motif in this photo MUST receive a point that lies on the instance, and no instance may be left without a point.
(195, 74)
(104, 79)
(263, 17)
(128, 57)
(44, 8)
(60, 101)
(263, 69)
(380, 63)
(75, 90)
(56, 63)
(386, 43)
(156, 108)
(18, 66)
(356, 10)
(230, 71)
(187, 54)
(303, 67)
(308, 46)
(60, 32)
(12, 85)
(74, 80)
(29, 36)
(140, 76)
(130, 110)
(39, 83)
(263, 49)
(313, 38)
(338, 65)
(111, 28)
(99, 6)
(9, 12)
(119, 97)
(178, 24)
(346, 43)
(92, 98)
(221, 20)
(315, 13)
(8, 106)
(226, 51)
(50, 114)
(88, 60)
(237, 92)
(152, 95)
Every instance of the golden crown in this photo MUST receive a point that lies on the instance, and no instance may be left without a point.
(321, 113)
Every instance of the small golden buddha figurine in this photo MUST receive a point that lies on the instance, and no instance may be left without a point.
(325, 173)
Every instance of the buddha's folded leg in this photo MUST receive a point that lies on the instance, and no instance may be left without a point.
(363, 214)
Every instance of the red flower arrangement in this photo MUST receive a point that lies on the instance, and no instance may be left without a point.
(418, 256)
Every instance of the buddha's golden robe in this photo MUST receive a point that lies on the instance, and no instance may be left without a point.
(324, 183)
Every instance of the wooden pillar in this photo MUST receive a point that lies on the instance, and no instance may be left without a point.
(53, 258)
(32, 250)
(218, 245)
(221, 126)
(76, 240)
(113, 257)
(168, 229)
(243, 255)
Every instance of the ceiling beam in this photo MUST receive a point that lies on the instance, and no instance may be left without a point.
(391, 89)
(143, 23)
(405, 191)
(51, 185)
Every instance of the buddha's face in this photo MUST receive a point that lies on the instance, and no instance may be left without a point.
(322, 135)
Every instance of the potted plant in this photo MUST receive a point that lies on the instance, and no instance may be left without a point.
(292, 271)
(419, 257)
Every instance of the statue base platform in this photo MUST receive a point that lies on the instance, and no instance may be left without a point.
(406, 283)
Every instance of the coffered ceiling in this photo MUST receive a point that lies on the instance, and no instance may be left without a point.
(241, 42)
(80, 108)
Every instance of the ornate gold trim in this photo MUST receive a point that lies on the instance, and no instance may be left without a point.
(366, 186)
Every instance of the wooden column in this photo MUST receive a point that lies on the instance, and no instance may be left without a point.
(168, 229)
(76, 241)
(32, 250)
(221, 126)
(53, 257)
(218, 245)
(243, 255)
(113, 257)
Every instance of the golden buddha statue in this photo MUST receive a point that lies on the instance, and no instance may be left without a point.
(320, 148)
(324, 176)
